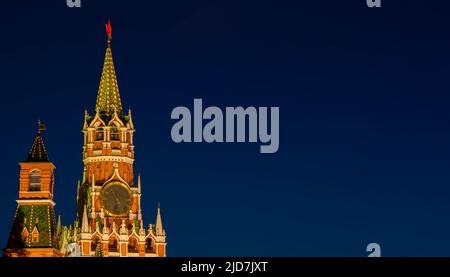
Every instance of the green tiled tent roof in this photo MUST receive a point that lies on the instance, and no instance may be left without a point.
(31, 216)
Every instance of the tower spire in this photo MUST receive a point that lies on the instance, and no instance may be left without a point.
(139, 198)
(37, 152)
(108, 97)
(40, 126)
(84, 223)
(159, 227)
(139, 183)
(58, 226)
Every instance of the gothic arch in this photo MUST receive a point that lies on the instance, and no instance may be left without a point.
(116, 121)
(150, 245)
(113, 245)
(95, 241)
(97, 121)
(133, 244)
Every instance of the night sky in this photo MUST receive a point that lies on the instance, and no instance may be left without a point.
(364, 100)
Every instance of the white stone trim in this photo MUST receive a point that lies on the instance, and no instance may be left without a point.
(108, 159)
(113, 254)
(27, 201)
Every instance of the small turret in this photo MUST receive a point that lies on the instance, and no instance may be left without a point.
(159, 227)
(84, 222)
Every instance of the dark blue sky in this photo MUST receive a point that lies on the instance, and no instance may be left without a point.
(364, 100)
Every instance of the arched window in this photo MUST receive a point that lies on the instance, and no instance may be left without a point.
(132, 245)
(99, 134)
(95, 243)
(150, 246)
(113, 245)
(114, 133)
(35, 180)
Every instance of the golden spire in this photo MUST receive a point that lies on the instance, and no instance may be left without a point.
(58, 225)
(159, 227)
(108, 98)
(84, 222)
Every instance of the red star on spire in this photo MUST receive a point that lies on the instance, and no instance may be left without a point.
(108, 30)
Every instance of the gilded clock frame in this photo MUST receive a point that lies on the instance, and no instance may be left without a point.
(113, 183)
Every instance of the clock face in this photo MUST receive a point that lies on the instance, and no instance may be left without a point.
(116, 199)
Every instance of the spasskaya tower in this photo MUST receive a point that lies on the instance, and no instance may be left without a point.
(109, 214)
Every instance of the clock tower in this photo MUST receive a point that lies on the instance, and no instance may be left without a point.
(109, 197)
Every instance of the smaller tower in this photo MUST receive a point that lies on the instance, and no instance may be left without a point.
(34, 230)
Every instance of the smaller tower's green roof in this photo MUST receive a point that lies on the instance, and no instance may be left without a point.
(30, 216)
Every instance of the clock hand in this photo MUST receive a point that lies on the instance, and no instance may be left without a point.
(116, 196)
(117, 199)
